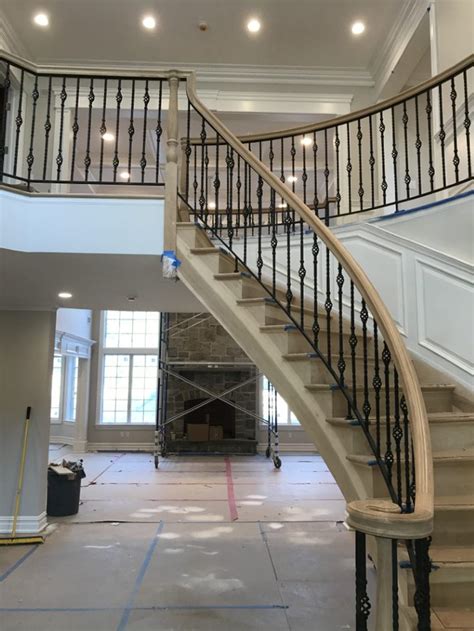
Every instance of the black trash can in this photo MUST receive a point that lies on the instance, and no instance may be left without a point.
(64, 494)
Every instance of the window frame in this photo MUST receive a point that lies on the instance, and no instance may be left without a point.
(66, 389)
(286, 425)
(130, 351)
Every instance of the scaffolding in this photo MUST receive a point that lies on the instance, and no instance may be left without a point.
(166, 370)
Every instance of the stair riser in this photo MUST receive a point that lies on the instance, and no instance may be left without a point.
(245, 288)
(449, 478)
(453, 527)
(194, 237)
(219, 263)
(450, 587)
(314, 370)
(435, 401)
(448, 435)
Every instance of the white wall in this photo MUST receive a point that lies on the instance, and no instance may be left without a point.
(74, 322)
(452, 32)
(33, 223)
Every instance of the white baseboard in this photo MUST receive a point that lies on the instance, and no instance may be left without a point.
(26, 524)
(120, 446)
(308, 448)
(64, 440)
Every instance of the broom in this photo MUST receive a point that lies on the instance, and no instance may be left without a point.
(9, 541)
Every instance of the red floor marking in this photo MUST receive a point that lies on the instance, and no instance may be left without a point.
(230, 491)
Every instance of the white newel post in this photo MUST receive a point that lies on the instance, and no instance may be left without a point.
(171, 182)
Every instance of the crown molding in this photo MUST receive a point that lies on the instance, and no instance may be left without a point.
(9, 39)
(383, 63)
(230, 73)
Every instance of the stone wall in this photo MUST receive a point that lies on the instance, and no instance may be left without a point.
(209, 342)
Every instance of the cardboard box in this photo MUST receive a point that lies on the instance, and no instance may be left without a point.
(216, 432)
(198, 432)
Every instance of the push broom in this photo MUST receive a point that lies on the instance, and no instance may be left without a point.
(9, 541)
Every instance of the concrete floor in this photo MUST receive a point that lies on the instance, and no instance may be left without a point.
(204, 543)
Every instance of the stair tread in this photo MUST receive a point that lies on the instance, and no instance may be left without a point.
(455, 619)
(452, 554)
(233, 276)
(426, 387)
(312, 355)
(433, 417)
(454, 502)
(459, 455)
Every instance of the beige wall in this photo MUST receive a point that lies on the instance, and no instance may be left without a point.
(452, 32)
(26, 351)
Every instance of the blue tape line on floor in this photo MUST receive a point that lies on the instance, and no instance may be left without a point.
(140, 576)
(20, 561)
(142, 608)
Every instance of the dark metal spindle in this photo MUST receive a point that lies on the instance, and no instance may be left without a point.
(316, 326)
(143, 159)
(388, 458)
(326, 176)
(429, 110)
(259, 193)
(349, 169)
(371, 163)
(59, 157)
(315, 173)
(383, 185)
(377, 385)
(187, 151)
(406, 454)
(467, 124)
(362, 598)
(453, 96)
(442, 134)
(131, 129)
(405, 136)
(395, 160)
(366, 407)
(75, 129)
(353, 346)
(18, 122)
(337, 144)
(397, 434)
(103, 130)
(341, 362)
(418, 145)
(31, 158)
(4, 116)
(47, 129)
(118, 99)
(361, 183)
(159, 133)
(87, 158)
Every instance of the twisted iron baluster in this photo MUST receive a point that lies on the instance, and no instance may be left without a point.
(388, 458)
(315, 173)
(397, 434)
(158, 134)
(118, 99)
(361, 183)
(87, 158)
(405, 135)
(406, 454)
(293, 182)
(18, 123)
(304, 177)
(394, 158)
(246, 208)
(337, 144)
(328, 305)
(187, 151)
(362, 598)
(143, 160)
(202, 198)
(103, 130)
(195, 180)
(274, 239)
(31, 158)
(131, 129)
(59, 157)
(217, 185)
(422, 579)
(289, 293)
(301, 274)
(326, 174)
(238, 187)
(349, 169)
(453, 96)
(377, 385)
(371, 162)
(384, 185)
(259, 193)
(467, 124)
(316, 326)
(442, 134)
(206, 182)
(341, 363)
(429, 110)
(47, 129)
(366, 407)
(353, 346)
(418, 144)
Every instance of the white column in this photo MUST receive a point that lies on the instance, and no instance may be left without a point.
(171, 182)
(82, 411)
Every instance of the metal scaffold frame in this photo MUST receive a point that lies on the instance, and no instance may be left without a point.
(165, 371)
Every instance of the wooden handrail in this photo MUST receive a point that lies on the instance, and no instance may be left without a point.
(423, 513)
(310, 128)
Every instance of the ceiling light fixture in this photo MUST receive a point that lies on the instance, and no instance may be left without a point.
(125, 175)
(41, 19)
(149, 22)
(254, 25)
(306, 141)
(211, 205)
(108, 137)
(65, 295)
(358, 28)
(292, 178)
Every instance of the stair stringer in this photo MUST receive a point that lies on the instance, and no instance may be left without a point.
(221, 302)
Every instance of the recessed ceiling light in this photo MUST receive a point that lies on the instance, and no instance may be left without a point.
(41, 19)
(254, 25)
(306, 141)
(358, 28)
(211, 205)
(282, 205)
(108, 137)
(149, 22)
(292, 178)
(64, 295)
(125, 175)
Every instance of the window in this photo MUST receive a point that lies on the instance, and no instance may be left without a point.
(64, 388)
(272, 401)
(129, 367)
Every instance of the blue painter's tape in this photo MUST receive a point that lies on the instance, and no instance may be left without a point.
(312, 355)
(372, 463)
(17, 564)
(409, 211)
(289, 327)
(142, 608)
(139, 580)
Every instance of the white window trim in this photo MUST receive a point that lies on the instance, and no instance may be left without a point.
(100, 380)
(285, 426)
(66, 360)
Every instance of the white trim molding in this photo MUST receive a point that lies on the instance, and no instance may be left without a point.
(10, 40)
(121, 446)
(26, 525)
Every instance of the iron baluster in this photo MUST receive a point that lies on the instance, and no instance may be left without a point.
(388, 458)
(31, 158)
(230, 229)
(442, 134)
(422, 580)
(250, 208)
(304, 176)
(118, 99)
(131, 130)
(289, 293)
(328, 305)
(377, 385)
(353, 346)
(337, 144)
(187, 151)
(395, 611)
(316, 326)
(87, 158)
(405, 136)
(302, 274)
(418, 145)
(206, 182)
(395, 159)
(47, 129)
(406, 454)
(371, 162)
(238, 187)
(259, 193)
(397, 434)
(103, 130)
(159, 133)
(429, 110)
(384, 185)
(75, 130)
(3, 123)
(18, 123)
(349, 169)
(202, 198)
(274, 239)
(326, 176)
(362, 598)
(195, 180)
(143, 159)
(467, 125)
(315, 173)
(293, 179)
(217, 184)
(361, 183)
(453, 96)
(59, 157)
(366, 407)
(341, 363)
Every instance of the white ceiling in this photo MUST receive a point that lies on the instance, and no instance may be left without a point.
(302, 33)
